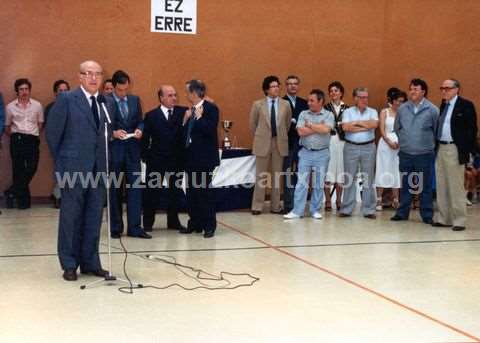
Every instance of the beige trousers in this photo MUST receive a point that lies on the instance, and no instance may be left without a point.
(451, 198)
(263, 179)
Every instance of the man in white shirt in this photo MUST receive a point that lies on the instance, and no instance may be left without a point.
(359, 123)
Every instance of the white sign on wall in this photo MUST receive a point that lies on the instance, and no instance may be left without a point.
(174, 16)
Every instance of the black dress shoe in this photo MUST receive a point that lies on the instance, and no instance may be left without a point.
(141, 234)
(176, 227)
(277, 212)
(256, 213)
(438, 224)
(186, 230)
(458, 228)
(397, 218)
(9, 199)
(99, 272)
(57, 203)
(70, 275)
(116, 235)
(209, 234)
(370, 216)
(428, 221)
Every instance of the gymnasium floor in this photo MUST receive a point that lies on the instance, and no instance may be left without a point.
(333, 280)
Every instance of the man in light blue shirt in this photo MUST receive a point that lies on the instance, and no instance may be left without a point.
(359, 123)
(314, 127)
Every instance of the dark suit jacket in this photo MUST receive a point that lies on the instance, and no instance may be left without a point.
(130, 147)
(463, 128)
(300, 105)
(162, 140)
(72, 135)
(202, 153)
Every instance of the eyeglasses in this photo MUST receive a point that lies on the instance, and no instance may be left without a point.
(447, 88)
(91, 74)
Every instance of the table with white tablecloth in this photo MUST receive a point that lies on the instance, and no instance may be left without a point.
(233, 181)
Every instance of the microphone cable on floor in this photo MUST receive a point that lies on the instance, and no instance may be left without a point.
(198, 275)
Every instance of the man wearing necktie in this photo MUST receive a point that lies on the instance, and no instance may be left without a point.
(201, 157)
(162, 150)
(76, 139)
(456, 135)
(290, 163)
(270, 120)
(125, 157)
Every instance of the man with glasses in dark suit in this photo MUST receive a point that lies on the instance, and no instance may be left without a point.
(76, 138)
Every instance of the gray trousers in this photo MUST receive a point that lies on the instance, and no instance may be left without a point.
(359, 158)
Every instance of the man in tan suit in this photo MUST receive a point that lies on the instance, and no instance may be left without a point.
(270, 119)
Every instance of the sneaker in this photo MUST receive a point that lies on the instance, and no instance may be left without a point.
(317, 215)
(469, 203)
(379, 208)
(291, 215)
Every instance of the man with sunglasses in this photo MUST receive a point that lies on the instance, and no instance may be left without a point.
(456, 135)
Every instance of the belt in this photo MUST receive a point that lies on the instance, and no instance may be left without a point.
(362, 143)
(304, 147)
(446, 143)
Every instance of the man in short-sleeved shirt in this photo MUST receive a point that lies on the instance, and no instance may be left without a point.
(314, 127)
(24, 121)
(359, 123)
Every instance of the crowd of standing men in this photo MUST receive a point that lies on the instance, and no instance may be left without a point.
(335, 143)
(311, 143)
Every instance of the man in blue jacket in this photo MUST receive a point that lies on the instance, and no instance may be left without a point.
(76, 138)
(416, 128)
(127, 125)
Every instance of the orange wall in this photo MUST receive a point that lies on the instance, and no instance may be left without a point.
(360, 42)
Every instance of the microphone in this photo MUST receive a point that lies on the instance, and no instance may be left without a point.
(102, 101)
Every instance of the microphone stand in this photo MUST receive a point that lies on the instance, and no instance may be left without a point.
(109, 278)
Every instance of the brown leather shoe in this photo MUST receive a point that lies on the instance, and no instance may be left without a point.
(256, 213)
(458, 228)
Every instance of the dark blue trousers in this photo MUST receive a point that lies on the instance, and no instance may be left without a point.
(130, 167)
(410, 166)
(290, 167)
(79, 227)
(201, 200)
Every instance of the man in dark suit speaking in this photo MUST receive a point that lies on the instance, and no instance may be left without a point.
(75, 136)
(201, 157)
